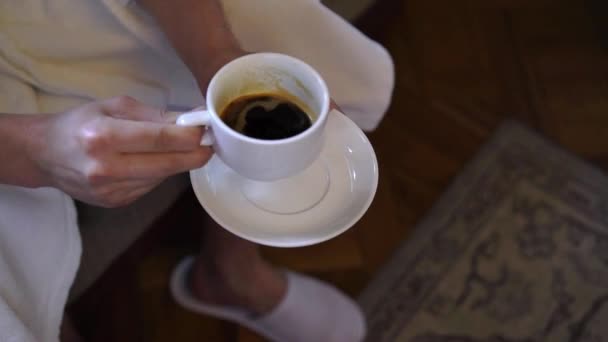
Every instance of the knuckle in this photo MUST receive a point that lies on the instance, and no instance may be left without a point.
(96, 173)
(94, 138)
(162, 138)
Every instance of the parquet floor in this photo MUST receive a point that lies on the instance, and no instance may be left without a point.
(462, 68)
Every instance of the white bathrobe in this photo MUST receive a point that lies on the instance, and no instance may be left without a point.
(56, 54)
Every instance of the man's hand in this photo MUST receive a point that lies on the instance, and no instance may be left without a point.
(112, 152)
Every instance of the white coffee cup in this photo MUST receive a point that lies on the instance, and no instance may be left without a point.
(263, 73)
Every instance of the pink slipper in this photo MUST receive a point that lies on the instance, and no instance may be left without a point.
(311, 311)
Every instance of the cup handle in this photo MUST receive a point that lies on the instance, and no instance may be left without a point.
(198, 118)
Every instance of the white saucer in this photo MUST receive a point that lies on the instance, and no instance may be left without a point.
(353, 178)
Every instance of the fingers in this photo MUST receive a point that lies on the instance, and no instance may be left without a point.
(161, 165)
(119, 193)
(127, 185)
(128, 108)
(125, 107)
(138, 192)
(138, 137)
(171, 117)
(134, 192)
(126, 193)
(134, 127)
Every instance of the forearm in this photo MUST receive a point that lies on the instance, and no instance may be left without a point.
(199, 32)
(21, 136)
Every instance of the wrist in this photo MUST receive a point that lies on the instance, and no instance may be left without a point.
(21, 137)
(35, 131)
(205, 72)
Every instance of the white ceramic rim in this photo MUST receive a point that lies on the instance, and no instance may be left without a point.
(325, 100)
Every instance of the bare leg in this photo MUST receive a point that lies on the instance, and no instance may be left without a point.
(231, 271)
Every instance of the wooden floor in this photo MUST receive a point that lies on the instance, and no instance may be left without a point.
(462, 68)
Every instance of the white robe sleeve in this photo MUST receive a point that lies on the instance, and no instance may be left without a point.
(359, 72)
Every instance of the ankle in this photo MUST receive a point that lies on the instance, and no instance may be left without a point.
(257, 286)
(210, 284)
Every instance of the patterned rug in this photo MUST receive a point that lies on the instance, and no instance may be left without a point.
(515, 251)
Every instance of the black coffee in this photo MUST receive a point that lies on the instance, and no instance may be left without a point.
(266, 116)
